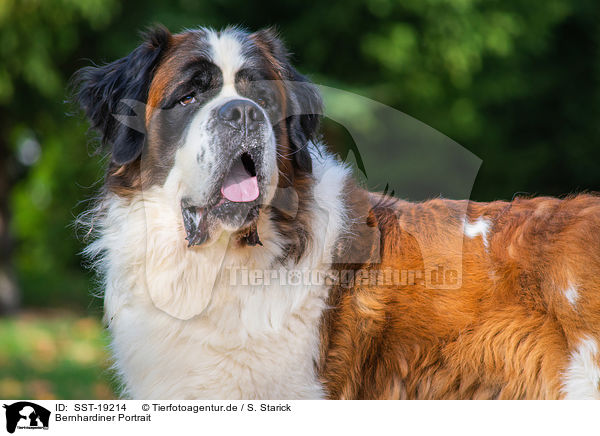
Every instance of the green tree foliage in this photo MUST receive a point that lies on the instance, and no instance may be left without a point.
(515, 82)
(43, 153)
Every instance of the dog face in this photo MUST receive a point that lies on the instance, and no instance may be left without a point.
(221, 117)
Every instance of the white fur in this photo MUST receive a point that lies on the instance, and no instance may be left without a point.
(226, 53)
(248, 341)
(480, 227)
(582, 378)
(572, 294)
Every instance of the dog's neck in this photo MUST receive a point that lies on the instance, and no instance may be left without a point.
(202, 305)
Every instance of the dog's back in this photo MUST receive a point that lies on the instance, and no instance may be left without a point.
(473, 300)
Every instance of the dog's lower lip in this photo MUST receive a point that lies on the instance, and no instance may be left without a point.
(196, 219)
(201, 210)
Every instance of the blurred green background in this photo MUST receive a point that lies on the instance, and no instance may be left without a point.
(515, 82)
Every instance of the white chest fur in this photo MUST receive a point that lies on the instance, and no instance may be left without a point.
(249, 341)
(220, 354)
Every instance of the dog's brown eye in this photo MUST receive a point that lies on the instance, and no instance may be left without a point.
(262, 102)
(188, 99)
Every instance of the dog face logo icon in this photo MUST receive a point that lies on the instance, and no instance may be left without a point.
(26, 415)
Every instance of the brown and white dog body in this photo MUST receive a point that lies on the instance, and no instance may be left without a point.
(223, 174)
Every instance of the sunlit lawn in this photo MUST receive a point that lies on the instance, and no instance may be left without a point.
(58, 356)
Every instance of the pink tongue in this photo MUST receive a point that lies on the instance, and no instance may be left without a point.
(239, 186)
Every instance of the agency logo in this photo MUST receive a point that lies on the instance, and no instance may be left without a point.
(26, 415)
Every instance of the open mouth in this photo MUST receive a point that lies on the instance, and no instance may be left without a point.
(240, 184)
(233, 206)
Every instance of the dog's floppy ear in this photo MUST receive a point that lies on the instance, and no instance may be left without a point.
(102, 92)
(305, 105)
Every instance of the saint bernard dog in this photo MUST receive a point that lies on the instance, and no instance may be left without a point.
(240, 260)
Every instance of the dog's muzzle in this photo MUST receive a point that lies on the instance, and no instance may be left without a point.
(237, 194)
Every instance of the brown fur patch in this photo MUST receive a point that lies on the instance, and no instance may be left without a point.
(505, 332)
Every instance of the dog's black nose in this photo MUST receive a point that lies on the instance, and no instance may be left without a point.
(241, 114)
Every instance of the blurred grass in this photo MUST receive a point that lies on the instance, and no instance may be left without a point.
(54, 355)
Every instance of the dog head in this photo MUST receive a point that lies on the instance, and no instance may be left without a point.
(222, 118)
